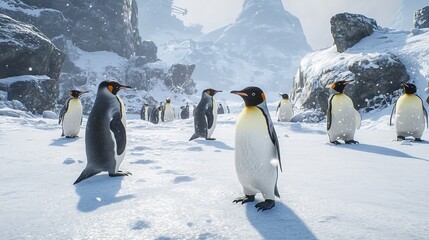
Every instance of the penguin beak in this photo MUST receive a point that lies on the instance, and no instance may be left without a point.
(80, 93)
(347, 82)
(216, 91)
(405, 85)
(240, 93)
(124, 87)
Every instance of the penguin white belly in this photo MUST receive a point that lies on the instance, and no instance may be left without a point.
(285, 112)
(211, 130)
(146, 113)
(343, 118)
(169, 113)
(72, 118)
(254, 152)
(409, 117)
(120, 158)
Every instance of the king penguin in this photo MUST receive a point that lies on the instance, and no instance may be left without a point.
(168, 111)
(205, 115)
(410, 114)
(71, 115)
(342, 118)
(284, 109)
(257, 154)
(105, 136)
(144, 113)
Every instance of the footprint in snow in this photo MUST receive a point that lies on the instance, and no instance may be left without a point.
(181, 179)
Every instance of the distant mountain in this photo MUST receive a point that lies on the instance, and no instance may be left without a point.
(405, 16)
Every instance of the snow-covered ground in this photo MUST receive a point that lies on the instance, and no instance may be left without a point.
(184, 190)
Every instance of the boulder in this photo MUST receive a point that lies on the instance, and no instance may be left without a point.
(37, 93)
(24, 50)
(348, 29)
(377, 77)
(421, 18)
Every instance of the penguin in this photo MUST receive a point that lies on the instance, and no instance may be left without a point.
(145, 112)
(184, 113)
(105, 137)
(342, 118)
(257, 153)
(71, 115)
(155, 115)
(220, 109)
(284, 109)
(168, 111)
(410, 114)
(161, 116)
(205, 115)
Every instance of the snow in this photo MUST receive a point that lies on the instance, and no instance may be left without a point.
(21, 78)
(184, 190)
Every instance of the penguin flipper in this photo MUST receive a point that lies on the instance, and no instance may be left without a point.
(391, 114)
(276, 191)
(210, 117)
(329, 113)
(86, 173)
(63, 111)
(118, 130)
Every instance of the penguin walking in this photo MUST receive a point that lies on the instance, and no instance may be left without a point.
(105, 137)
(342, 118)
(71, 115)
(410, 114)
(205, 115)
(144, 113)
(284, 109)
(184, 113)
(257, 154)
(168, 111)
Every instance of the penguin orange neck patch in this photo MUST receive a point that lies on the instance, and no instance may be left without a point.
(110, 87)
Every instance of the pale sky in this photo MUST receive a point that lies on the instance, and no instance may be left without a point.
(313, 14)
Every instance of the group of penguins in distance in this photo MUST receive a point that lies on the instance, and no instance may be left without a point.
(257, 153)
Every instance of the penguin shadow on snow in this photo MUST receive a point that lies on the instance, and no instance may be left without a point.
(214, 143)
(379, 150)
(278, 223)
(62, 141)
(98, 191)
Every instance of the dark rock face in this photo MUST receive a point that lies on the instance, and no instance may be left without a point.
(36, 95)
(93, 25)
(421, 18)
(376, 80)
(348, 29)
(181, 78)
(24, 50)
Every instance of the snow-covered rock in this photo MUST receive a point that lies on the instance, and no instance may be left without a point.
(348, 29)
(404, 17)
(421, 18)
(49, 114)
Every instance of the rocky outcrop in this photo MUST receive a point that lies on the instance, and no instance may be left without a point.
(376, 76)
(348, 29)
(421, 18)
(24, 50)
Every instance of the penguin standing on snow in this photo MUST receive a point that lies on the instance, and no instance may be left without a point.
(205, 115)
(105, 137)
(144, 113)
(410, 114)
(71, 115)
(155, 114)
(184, 113)
(284, 109)
(257, 154)
(342, 118)
(168, 111)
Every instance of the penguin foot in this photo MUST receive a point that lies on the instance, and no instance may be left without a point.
(400, 138)
(211, 139)
(351, 142)
(418, 140)
(336, 143)
(245, 199)
(267, 205)
(119, 174)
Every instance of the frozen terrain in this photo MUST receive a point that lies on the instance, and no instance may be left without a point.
(184, 190)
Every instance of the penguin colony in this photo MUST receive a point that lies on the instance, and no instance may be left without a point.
(257, 148)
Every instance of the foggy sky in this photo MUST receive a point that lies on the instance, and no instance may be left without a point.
(313, 14)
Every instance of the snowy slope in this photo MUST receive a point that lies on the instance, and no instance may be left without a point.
(184, 190)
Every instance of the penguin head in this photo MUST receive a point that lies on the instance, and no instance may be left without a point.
(112, 86)
(252, 96)
(284, 96)
(76, 93)
(340, 85)
(211, 92)
(168, 100)
(409, 88)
